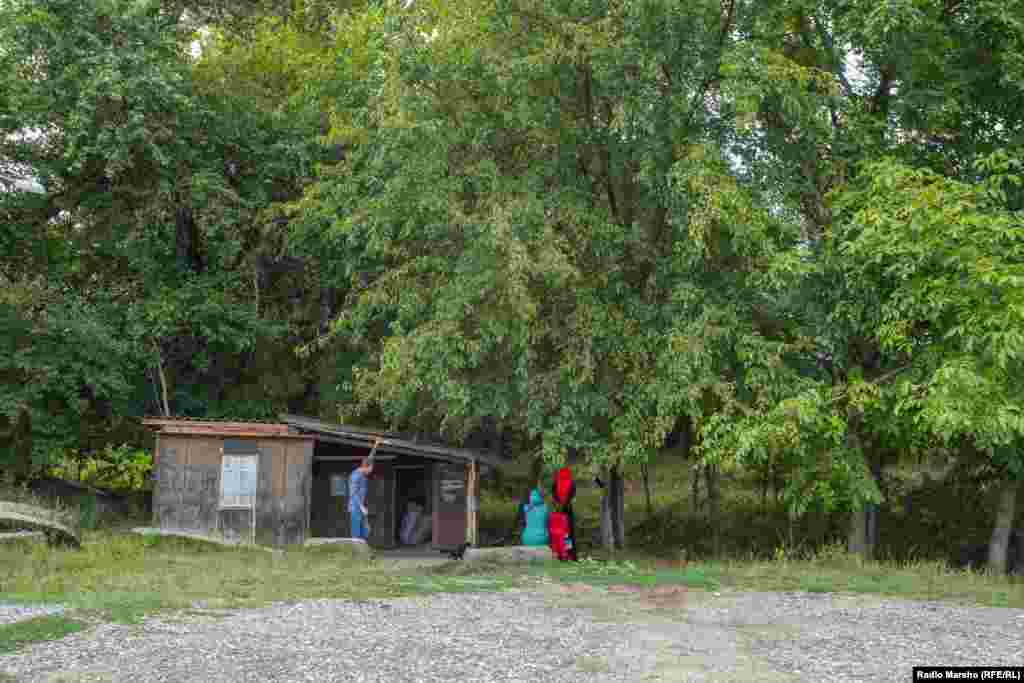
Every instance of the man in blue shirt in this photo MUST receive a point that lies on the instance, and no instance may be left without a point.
(357, 484)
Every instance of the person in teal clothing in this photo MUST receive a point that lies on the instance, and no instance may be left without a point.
(536, 513)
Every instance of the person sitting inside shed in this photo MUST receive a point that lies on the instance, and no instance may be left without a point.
(536, 513)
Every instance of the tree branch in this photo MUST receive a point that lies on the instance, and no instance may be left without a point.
(729, 15)
(884, 378)
(879, 103)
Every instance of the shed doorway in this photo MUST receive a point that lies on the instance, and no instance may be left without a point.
(414, 526)
(329, 516)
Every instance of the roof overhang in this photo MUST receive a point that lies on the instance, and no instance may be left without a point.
(386, 442)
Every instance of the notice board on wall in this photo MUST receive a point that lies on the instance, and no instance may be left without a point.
(238, 480)
(452, 485)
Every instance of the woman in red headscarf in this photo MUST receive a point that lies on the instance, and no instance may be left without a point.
(563, 491)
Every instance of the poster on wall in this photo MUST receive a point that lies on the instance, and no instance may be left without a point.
(339, 486)
(453, 484)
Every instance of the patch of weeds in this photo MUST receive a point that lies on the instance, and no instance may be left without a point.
(49, 627)
(597, 573)
(459, 568)
(817, 584)
(1000, 599)
(707, 578)
(122, 607)
(592, 665)
(885, 583)
(590, 570)
(88, 513)
(423, 585)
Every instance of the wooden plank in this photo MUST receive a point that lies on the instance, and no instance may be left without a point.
(198, 426)
(434, 506)
(156, 483)
(278, 467)
(185, 431)
(307, 449)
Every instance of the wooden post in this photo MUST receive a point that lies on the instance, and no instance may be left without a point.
(476, 503)
(471, 504)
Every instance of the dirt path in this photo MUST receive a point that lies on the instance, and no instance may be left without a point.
(549, 632)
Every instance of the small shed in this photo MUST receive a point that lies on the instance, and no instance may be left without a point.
(281, 483)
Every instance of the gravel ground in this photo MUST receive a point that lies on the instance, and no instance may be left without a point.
(546, 634)
(11, 613)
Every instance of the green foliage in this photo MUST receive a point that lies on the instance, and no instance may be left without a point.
(944, 261)
(147, 245)
(88, 514)
(120, 468)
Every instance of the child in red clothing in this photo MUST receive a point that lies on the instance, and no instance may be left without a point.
(563, 491)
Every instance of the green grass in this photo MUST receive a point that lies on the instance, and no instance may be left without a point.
(51, 627)
(758, 553)
(125, 576)
(122, 577)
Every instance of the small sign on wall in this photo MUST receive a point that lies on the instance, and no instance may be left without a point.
(453, 484)
(238, 480)
(339, 486)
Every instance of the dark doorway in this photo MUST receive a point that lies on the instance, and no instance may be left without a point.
(412, 489)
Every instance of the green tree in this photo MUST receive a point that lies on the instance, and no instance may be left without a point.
(146, 247)
(537, 219)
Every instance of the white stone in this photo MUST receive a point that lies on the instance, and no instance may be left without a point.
(509, 554)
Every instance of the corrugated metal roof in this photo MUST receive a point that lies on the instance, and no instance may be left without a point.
(299, 427)
(387, 442)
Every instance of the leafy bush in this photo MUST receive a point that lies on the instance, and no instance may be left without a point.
(120, 468)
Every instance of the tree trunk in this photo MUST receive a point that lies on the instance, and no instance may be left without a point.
(695, 473)
(536, 470)
(165, 405)
(711, 475)
(186, 239)
(607, 536)
(863, 538)
(645, 472)
(999, 544)
(16, 441)
(765, 475)
(619, 509)
(864, 521)
(857, 542)
(873, 512)
(613, 528)
(328, 307)
(778, 484)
